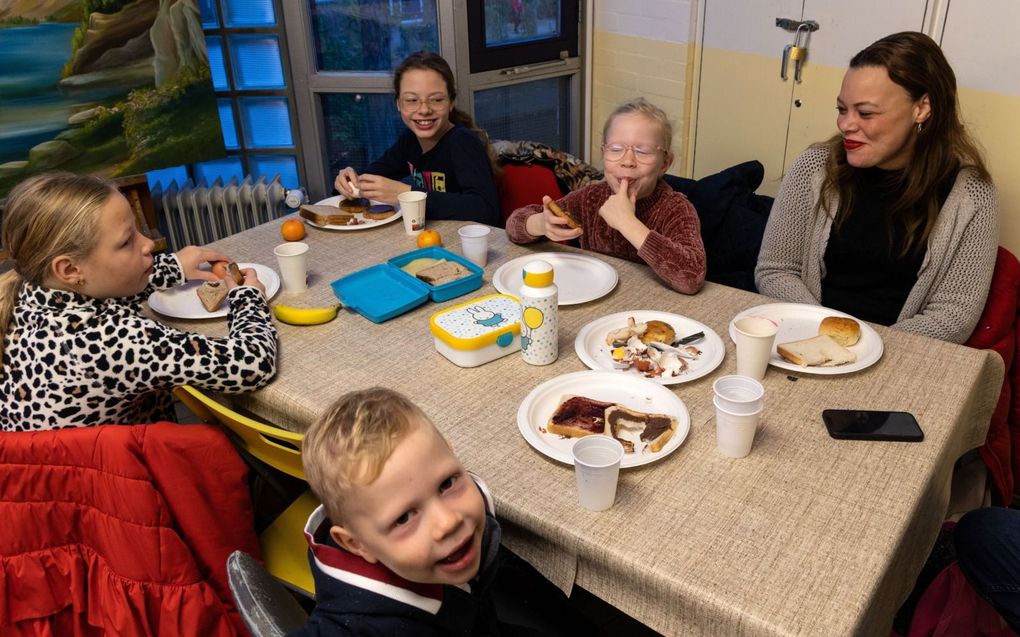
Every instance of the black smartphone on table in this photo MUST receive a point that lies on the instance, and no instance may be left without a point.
(862, 424)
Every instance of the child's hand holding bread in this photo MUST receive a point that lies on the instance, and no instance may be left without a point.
(192, 258)
(213, 293)
(233, 276)
(554, 223)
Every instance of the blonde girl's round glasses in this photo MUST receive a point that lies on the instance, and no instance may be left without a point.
(643, 154)
(411, 103)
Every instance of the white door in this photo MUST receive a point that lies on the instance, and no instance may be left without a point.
(745, 109)
(980, 41)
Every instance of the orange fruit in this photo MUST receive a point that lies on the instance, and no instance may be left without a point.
(293, 230)
(429, 238)
(219, 268)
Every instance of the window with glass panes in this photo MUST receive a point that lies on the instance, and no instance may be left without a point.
(244, 39)
(360, 124)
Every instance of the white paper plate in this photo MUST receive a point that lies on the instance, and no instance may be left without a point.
(182, 301)
(632, 392)
(798, 321)
(579, 278)
(593, 351)
(369, 223)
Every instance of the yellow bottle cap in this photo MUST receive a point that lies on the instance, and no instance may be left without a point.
(538, 274)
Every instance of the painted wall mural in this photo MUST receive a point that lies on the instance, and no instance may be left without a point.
(111, 87)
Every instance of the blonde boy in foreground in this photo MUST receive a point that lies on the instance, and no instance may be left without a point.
(405, 541)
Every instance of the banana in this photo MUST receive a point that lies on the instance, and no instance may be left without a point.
(305, 315)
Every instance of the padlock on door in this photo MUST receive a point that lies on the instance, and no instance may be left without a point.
(798, 51)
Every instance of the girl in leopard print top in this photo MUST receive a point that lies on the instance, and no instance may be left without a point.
(76, 348)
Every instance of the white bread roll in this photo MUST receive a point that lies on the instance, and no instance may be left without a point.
(843, 330)
(658, 332)
(820, 351)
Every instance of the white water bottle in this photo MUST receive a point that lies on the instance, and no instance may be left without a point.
(539, 309)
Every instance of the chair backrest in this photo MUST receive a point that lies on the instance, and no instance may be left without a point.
(522, 184)
(266, 607)
(279, 448)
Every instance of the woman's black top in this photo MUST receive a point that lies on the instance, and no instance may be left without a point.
(865, 274)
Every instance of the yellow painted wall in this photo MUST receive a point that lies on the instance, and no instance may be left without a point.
(625, 67)
(991, 118)
(738, 121)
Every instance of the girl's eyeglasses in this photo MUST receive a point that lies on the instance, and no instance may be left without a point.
(413, 102)
(643, 154)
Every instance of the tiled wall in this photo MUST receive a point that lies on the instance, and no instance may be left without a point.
(643, 48)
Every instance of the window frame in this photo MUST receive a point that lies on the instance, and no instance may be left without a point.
(244, 152)
(482, 57)
(309, 82)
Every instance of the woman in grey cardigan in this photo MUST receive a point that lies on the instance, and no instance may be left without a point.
(893, 220)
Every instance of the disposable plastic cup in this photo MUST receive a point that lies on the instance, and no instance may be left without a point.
(412, 209)
(597, 467)
(734, 433)
(474, 243)
(739, 394)
(755, 336)
(293, 259)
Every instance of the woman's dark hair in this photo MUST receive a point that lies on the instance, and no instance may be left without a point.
(942, 146)
(428, 61)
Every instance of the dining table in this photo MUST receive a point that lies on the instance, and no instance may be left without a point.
(806, 535)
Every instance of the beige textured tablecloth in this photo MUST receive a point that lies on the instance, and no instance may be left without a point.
(806, 535)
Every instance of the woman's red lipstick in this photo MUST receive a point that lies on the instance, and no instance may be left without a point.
(850, 144)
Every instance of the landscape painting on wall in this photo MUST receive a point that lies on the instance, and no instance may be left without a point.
(110, 87)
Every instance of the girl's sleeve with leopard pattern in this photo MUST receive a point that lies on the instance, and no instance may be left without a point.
(166, 273)
(162, 357)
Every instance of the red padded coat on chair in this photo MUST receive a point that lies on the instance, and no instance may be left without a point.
(997, 330)
(121, 530)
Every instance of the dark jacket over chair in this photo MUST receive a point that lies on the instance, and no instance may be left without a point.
(732, 220)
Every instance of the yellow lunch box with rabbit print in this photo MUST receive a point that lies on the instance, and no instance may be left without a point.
(478, 331)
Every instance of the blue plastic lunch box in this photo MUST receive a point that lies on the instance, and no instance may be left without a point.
(383, 291)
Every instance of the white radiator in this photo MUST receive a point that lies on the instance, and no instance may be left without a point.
(199, 214)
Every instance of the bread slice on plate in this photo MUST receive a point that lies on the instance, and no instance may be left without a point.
(379, 212)
(578, 416)
(357, 204)
(325, 215)
(821, 351)
(639, 431)
(212, 294)
(443, 272)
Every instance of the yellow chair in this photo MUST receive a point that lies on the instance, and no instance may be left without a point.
(283, 542)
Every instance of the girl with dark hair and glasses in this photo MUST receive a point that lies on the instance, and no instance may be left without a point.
(894, 219)
(633, 214)
(441, 152)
